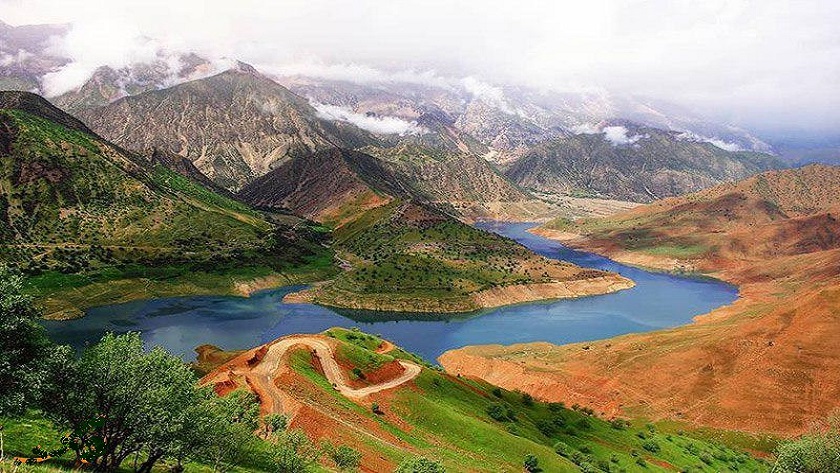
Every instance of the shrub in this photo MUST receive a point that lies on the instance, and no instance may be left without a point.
(375, 408)
(527, 399)
(497, 412)
(531, 464)
(584, 424)
(546, 427)
(346, 458)
(562, 449)
(420, 465)
(555, 406)
(651, 446)
(641, 462)
(497, 392)
(619, 424)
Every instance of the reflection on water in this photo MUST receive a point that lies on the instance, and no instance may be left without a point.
(182, 323)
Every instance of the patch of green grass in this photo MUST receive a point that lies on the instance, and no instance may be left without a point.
(472, 425)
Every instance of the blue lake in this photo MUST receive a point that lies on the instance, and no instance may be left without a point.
(182, 323)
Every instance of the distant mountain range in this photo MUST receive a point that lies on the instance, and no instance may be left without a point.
(479, 150)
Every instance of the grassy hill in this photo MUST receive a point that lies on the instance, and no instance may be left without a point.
(74, 204)
(765, 363)
(411, 258)
(467, 425)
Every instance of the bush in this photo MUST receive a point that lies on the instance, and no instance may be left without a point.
(562, 449)
(527, 399)
(817, 452)
(346, 458)
(420, 465)
(376, 409)
(546, 427)
(531, 464)
(294, 453)
(497, 392)
(651, 446)
(555, 406)
(641, 462)
(497, 412)
(619, 424)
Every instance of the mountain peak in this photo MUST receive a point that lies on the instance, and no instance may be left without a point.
(244, 68)
(36, 105)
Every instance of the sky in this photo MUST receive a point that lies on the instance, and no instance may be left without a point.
(771, 66)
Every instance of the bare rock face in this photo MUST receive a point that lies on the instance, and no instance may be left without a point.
(235, 126)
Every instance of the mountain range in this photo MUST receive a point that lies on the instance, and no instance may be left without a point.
(483, 150)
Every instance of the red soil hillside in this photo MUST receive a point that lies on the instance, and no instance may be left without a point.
(768, 362)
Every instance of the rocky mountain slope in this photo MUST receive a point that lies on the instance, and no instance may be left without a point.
(235, 126)
(108, 84)
(628, 162)
(72, 202)
(768, 362)
(356, 389)
(402, 253)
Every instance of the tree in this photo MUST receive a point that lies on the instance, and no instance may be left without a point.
(145, 403)
(226, 429)
(274, 423)
(26, 353)
(812, 453)
(345, 457)
(420, 465)
(294, 453)
(531, 463)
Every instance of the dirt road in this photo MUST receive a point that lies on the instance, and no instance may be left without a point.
(264, 372)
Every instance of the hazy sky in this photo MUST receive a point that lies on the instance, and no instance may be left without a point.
(769, 65)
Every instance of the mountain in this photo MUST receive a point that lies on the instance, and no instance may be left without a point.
(235, 126)
(74, 203)
(26, 56)
(401, 252)
(766, 363)
(624, 161)
(330, 186)
(109, 84)
(355, 389)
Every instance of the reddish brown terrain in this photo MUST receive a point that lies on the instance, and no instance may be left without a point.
(770, 362)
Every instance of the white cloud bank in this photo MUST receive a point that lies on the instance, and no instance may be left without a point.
(724, 145)
(617, 136)
(757, 63)
(371, 123)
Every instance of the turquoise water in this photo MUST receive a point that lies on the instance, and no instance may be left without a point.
(182, 323)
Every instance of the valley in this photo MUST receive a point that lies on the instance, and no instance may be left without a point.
(746, 366)
(418, 238)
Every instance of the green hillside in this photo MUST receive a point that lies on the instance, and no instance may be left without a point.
(73, 204)
(409, 257)
(469, 425)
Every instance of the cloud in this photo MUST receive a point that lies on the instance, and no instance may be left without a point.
(617, 136)
(357, 73)
(20, 57)
(724, 145)
(374, 124)
(766, 64)
(488, 93)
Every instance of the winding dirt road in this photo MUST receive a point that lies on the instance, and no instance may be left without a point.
(265, 372)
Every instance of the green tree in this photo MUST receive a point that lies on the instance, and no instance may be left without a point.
(145, 404)
(294, 452)
(531, 463)
(26, 353)
(420, 465)
(345, 457)
(812, 453)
